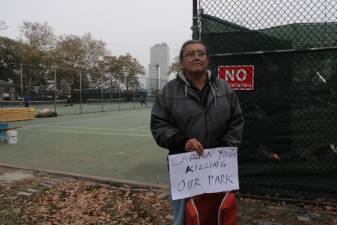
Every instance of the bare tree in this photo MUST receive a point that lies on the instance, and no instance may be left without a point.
(69, 53)
(94, 51)
(38, 35)
(175, 65)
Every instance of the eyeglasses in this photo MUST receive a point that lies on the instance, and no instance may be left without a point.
(190, 55)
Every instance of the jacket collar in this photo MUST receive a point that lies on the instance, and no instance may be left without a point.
(182, 77)
(211, 80)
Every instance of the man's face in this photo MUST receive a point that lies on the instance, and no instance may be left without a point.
(195, 58)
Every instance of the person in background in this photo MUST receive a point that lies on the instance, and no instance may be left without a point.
(195, 111)
(142, 100)
(26, 101)
(69, 100)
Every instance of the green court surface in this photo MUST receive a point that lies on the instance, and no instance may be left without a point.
(117, 145)
(90, 106)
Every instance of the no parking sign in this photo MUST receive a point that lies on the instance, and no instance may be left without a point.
(239, 77)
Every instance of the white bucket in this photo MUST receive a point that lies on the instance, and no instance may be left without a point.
(12, 136)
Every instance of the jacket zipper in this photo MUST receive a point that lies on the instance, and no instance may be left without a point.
(206, 129)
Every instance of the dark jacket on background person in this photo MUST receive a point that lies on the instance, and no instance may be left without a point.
(179, 113)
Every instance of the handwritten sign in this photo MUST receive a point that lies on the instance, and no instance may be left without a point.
(215, 171)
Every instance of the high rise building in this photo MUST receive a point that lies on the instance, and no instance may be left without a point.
(159, 65)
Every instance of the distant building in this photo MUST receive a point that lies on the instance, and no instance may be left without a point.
(159, 66)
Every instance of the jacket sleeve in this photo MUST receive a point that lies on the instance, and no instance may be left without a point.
(233, 135)
(163, 128)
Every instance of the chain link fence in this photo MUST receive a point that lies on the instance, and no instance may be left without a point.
(290, 137)
(70, 92)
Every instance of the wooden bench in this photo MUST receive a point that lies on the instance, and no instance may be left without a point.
(16, 114)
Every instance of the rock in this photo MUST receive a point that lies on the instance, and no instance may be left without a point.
(149, 194)
(15, 176)
(107, 186)
(22, 193)
(31, 190)
(140, 189)
(93, 184)
(71, 179)
(124, 189)
(163, 195)
(303, 218)
(49, 181)
(11, 198)
(169, 217)
(46, 185)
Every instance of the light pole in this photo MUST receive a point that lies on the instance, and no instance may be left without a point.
(55, 90)
(21, 82)
(195, 28)
(158, 76)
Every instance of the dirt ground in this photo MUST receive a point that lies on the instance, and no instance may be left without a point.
(37, 198)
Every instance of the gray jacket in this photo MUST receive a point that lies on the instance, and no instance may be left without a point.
(177, 115)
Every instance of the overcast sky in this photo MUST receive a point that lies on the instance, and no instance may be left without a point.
(131, 26)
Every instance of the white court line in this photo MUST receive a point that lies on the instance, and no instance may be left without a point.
(84, 132)
(95, 128)
(136, 128)
(71, 121)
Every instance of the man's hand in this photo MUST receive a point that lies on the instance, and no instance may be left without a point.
(194, 145)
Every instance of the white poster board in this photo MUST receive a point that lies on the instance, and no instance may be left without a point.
(215, 171)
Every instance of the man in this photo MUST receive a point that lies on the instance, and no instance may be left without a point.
(26, 101)
(142, 101)
(195, 111)
(69, 100)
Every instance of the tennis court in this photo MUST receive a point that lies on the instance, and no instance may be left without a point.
(116, 145)
(87, 106)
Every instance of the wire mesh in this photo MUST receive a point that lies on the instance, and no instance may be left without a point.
(290, 137)
(65, 91)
